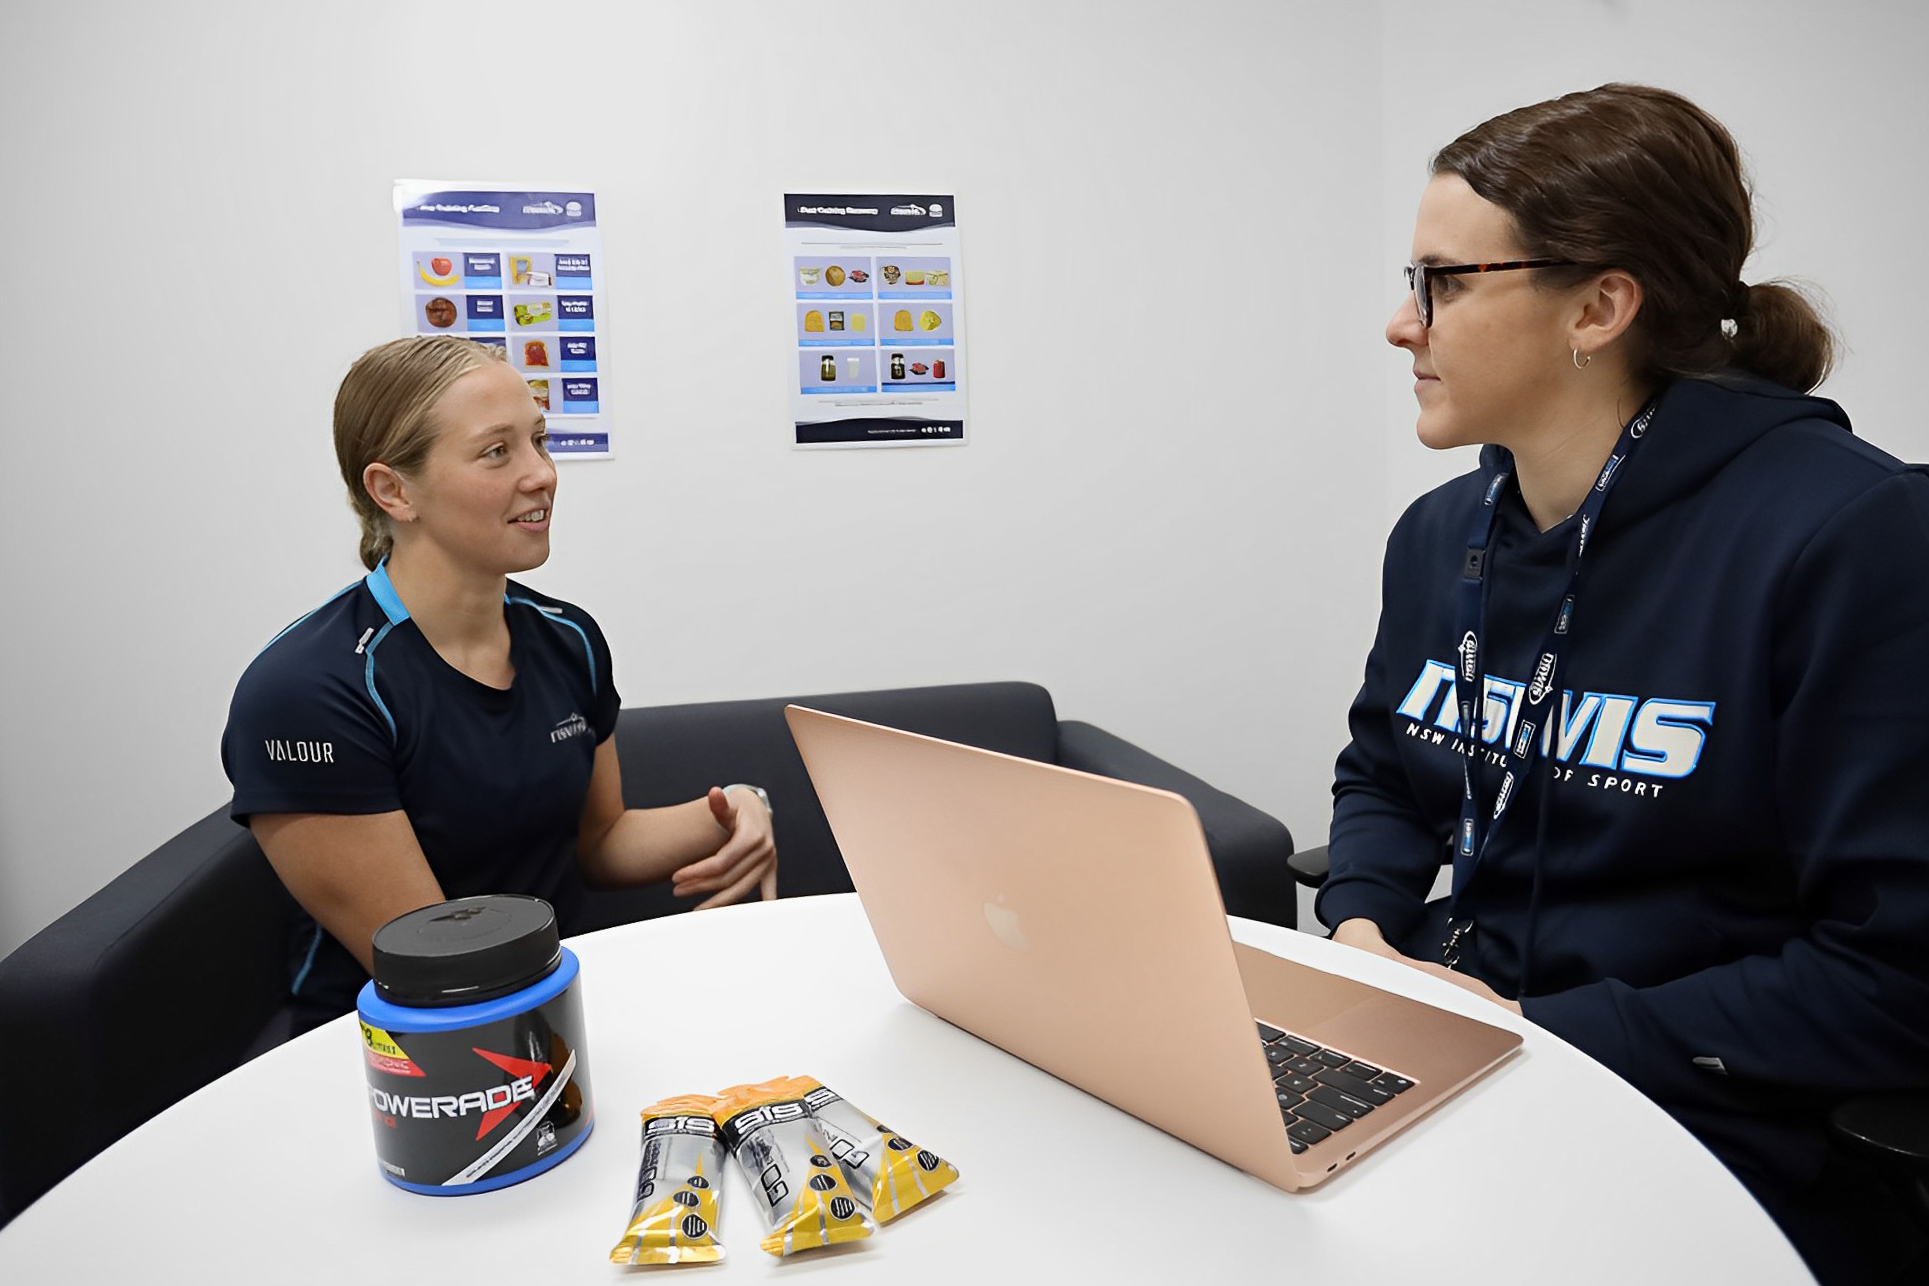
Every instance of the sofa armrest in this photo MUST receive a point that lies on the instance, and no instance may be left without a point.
(1309, 866)
(154, 986)
(1249, 847)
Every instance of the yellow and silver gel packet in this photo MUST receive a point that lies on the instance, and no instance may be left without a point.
(807, 1201)
(675, 1218)
(885, 1168)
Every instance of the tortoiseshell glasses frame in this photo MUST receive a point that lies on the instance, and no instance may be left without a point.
(1418, 275)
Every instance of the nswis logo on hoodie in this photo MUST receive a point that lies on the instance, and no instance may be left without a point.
(1643, 741)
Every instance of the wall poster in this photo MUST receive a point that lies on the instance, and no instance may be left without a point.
(521, 270)
(876, 288)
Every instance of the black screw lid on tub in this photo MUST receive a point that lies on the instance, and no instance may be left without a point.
(465, 951)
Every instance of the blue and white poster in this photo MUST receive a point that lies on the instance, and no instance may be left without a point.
(876, 290)
(519, 269)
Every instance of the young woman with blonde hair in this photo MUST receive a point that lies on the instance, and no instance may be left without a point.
(438, 730)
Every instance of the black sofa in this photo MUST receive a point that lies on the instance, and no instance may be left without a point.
(173, 974)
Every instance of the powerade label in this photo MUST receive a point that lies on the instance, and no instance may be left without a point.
(476, 1105)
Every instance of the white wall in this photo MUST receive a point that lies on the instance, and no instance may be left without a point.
(1199, 207)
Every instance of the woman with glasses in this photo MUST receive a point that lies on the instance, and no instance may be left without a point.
(1654, 679)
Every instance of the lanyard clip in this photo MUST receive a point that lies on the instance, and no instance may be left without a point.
(1450, 948)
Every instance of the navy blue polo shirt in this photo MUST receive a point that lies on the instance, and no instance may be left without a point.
(350, 710)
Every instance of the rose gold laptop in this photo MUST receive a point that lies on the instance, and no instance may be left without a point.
(1047, 911)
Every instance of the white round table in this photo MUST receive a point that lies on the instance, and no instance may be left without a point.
(1549, 1170)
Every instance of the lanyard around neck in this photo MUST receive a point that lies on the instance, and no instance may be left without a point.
(1530, 711)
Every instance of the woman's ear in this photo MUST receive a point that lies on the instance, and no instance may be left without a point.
(1608, 308)
(387, 489)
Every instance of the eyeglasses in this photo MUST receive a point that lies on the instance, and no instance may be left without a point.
(1420, 275)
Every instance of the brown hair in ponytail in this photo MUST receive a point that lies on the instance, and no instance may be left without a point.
(1636, 178)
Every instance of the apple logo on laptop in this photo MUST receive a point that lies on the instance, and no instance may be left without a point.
(1004, 924)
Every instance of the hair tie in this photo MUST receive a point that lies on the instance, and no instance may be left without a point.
(1737, 306)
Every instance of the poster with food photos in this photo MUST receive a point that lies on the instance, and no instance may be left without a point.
(522, 270)
(876, 292)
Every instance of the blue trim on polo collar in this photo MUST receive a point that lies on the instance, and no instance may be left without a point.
(385, 596)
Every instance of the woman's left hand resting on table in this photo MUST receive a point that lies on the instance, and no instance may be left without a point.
(1366, 935)
(721, 845)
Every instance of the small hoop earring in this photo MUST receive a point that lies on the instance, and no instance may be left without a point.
(1580, 363)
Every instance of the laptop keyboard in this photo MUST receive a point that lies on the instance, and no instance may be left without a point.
(1321, 1091)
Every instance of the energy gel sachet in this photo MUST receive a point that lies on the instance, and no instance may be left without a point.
(887, 1170)
(678, 1183)
(807, 1201)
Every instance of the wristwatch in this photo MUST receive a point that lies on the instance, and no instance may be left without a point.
(758, 791)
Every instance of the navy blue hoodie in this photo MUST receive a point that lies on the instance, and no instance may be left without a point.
(1717, 880)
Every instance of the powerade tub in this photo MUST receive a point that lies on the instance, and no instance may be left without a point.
(472, 1032)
